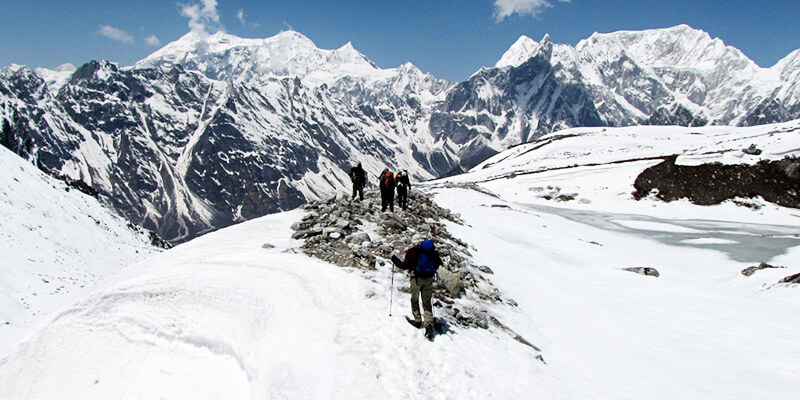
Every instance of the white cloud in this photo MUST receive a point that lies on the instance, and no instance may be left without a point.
(505, 8)
(116, 34)
(242, 17)
(152, 40)
(203, 16)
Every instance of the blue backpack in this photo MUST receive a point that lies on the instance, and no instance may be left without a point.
(425, 265)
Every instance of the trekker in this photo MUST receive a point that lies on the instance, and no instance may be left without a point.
(387, 185)
(359, 179)
(422, 261)
(403, 188)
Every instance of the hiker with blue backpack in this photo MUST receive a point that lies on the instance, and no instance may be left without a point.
(421, 261)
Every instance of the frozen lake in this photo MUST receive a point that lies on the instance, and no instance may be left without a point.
(743, 242)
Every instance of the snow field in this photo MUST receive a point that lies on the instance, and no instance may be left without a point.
(222, 317)
(54, 243)
(694, 332)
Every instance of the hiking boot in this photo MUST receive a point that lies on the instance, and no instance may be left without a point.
(415, 324)
(429, 332)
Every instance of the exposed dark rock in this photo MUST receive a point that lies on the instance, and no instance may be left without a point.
(769, 110)
(752, 150)
(791, 279)
(80, 186)
(307, 233)
(158, 241)
(647, 271)
(752, 270)
(714, 183)
(675, 115)
(485, 269)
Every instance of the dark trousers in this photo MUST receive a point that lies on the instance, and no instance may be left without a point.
(402, 199)
(358, 190)
(387, 199)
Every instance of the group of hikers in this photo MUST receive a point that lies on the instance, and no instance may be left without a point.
(421, 261)
(388, 183)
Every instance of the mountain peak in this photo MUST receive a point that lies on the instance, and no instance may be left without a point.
(523, 49)
(679, 46)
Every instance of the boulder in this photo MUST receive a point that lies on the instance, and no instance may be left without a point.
(358, 237)
(752, 270)
(485, 269)
(302, 225)
(452, 282)
(752, 150)
(307, 233)
(791, 279)
(647, 271)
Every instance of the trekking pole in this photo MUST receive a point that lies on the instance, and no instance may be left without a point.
(391, 291)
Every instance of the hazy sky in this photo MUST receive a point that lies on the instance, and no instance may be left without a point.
(450, 39)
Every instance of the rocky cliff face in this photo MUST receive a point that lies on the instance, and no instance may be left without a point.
(215, 129)
(221, 136)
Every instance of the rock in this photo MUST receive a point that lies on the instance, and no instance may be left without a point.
(644, 271)
(452, 282)
(714, 183)
(302, 225)
(327, 231)
(310, 216)
(752, 270)
(362, 252)
(791, 279)
(307, 233)
(335, 232)
(792, 170)
(566, 197)
(267, 246)
(358, 237)
(752, 150)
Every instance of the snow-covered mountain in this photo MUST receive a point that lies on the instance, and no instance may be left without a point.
(55, 243)
(243, 313)
(214, 129)
(673, 76)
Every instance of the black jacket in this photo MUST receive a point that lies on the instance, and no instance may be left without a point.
(403, 184)
(358, 176)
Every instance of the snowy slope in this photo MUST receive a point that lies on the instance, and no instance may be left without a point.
(55, 242)
(600, 165)
(240, 313)
(674, 76)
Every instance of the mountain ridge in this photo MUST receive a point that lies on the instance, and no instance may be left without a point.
(211, 130)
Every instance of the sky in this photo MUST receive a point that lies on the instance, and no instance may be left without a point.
(449, 38)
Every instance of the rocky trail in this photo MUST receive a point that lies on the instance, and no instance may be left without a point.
(356, 234)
